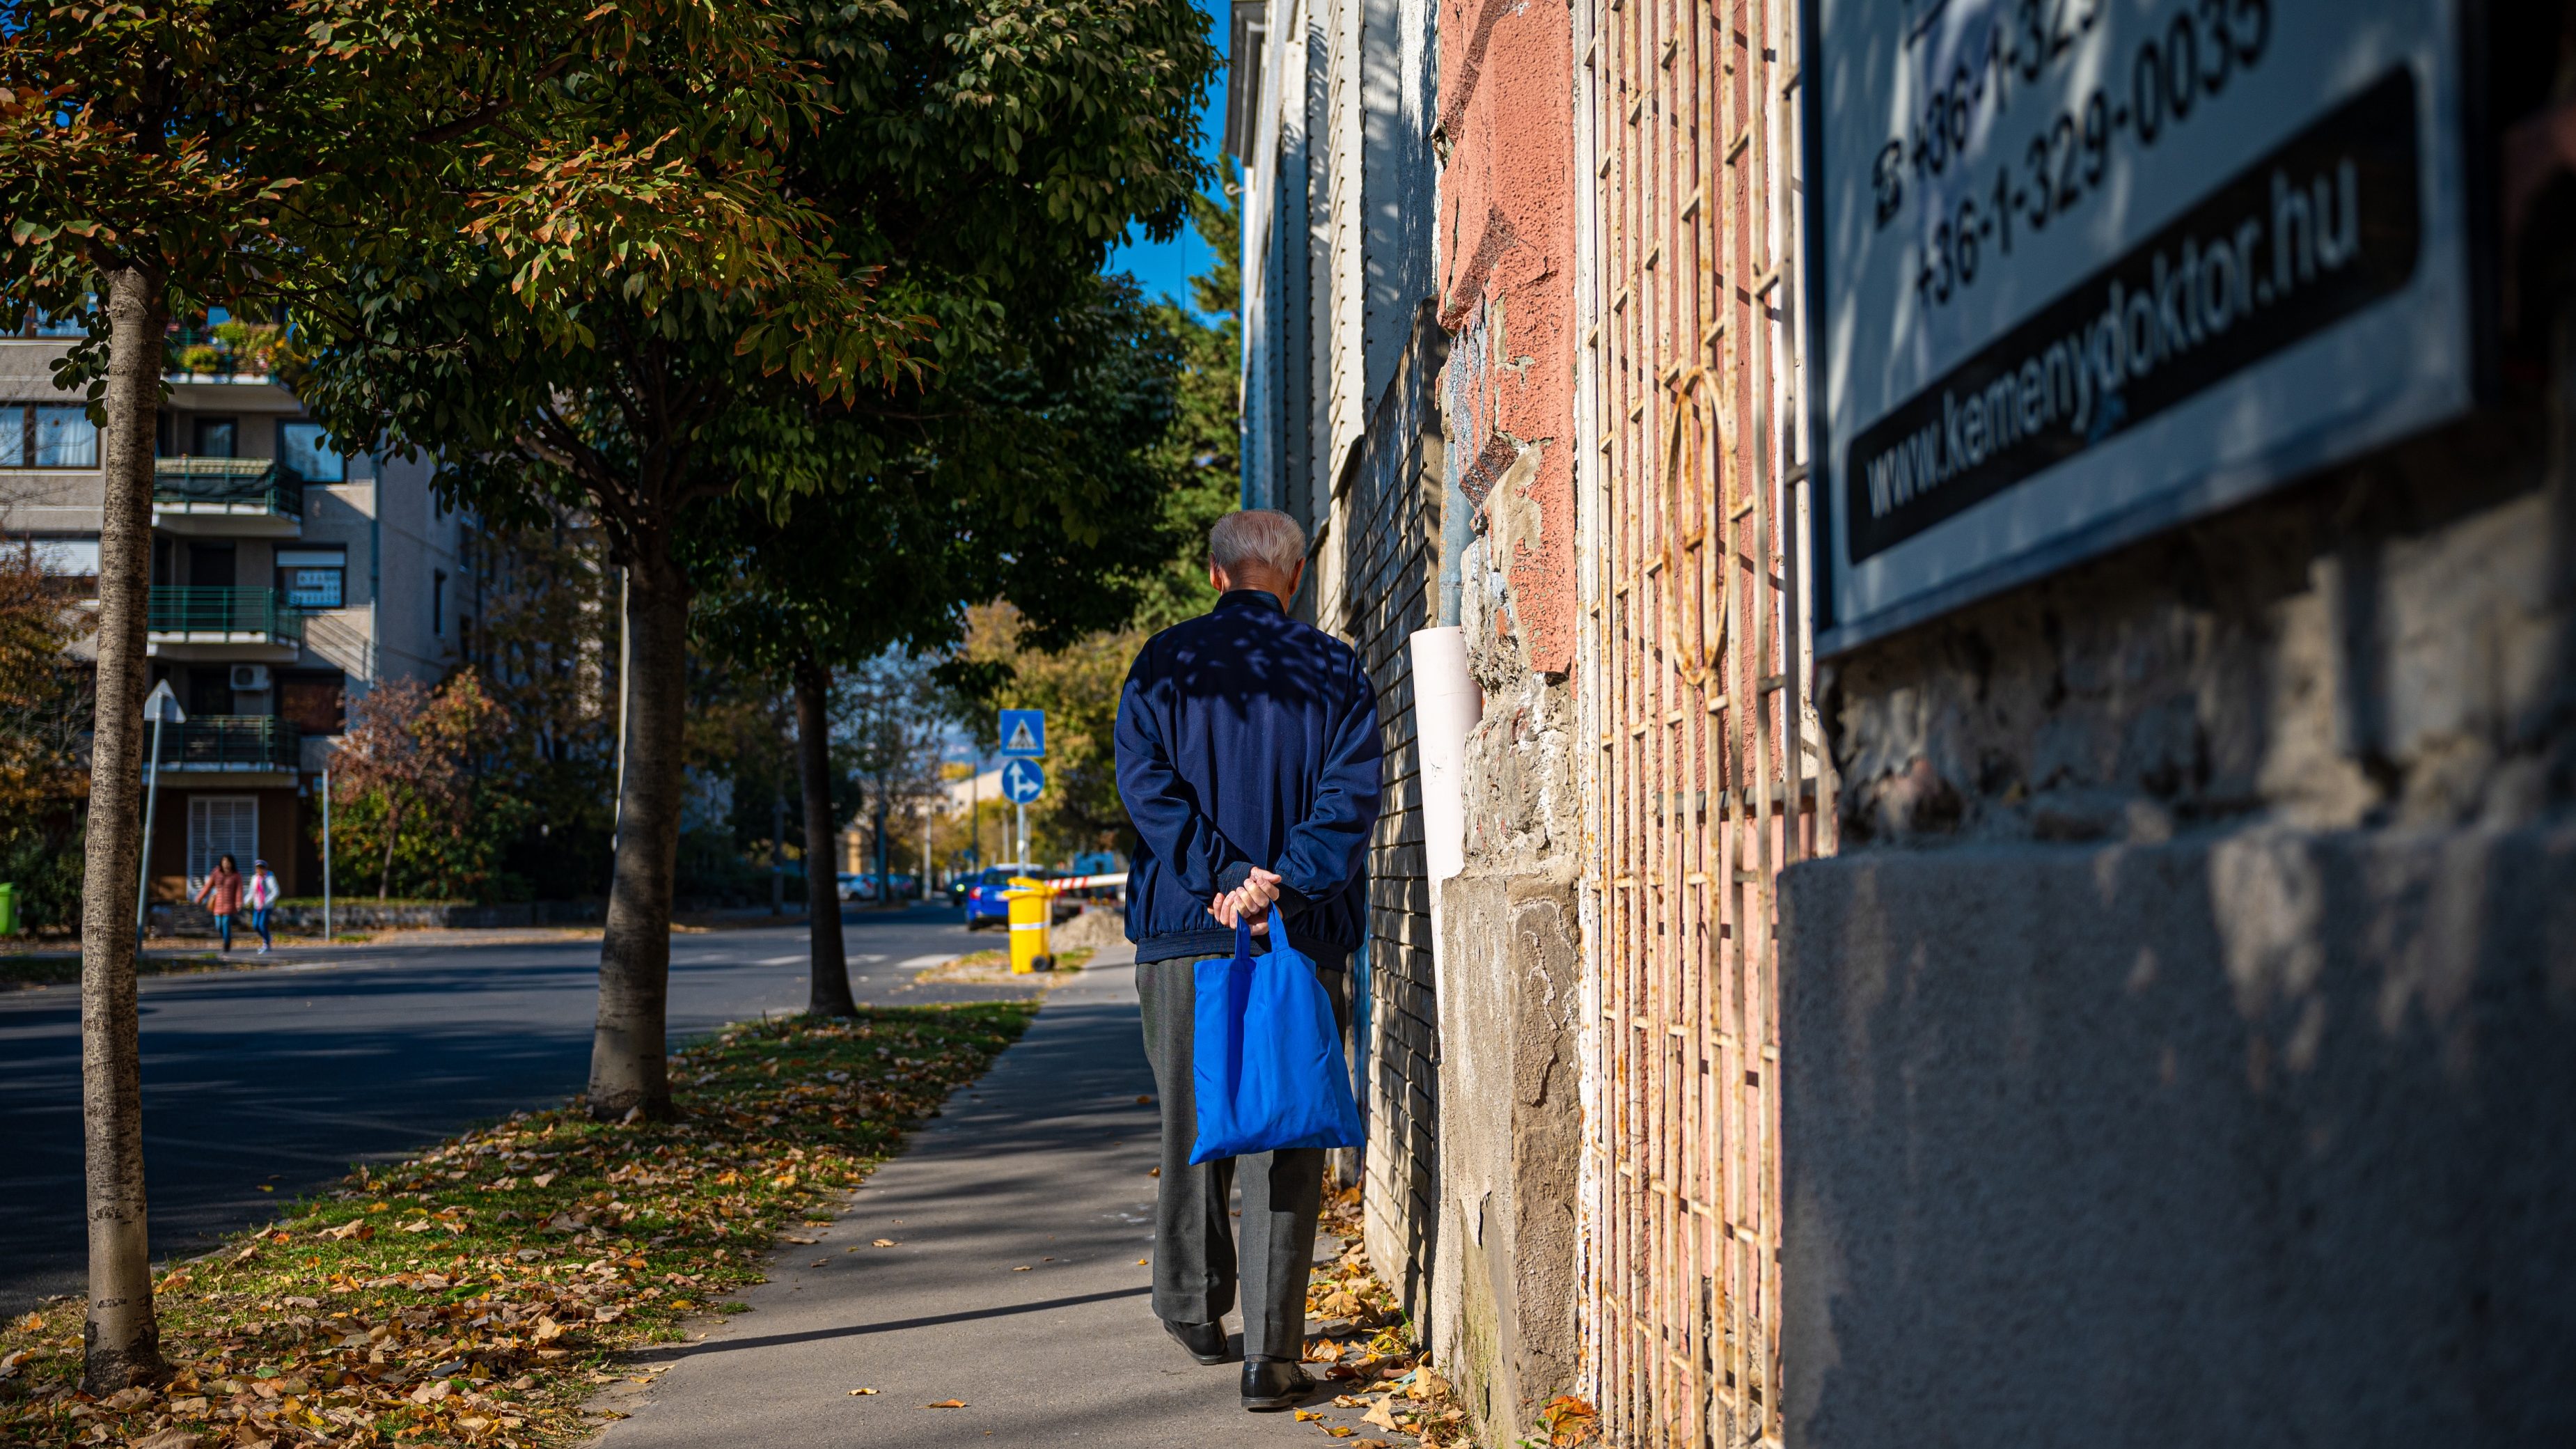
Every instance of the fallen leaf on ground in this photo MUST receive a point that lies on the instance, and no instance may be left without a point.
(947, 1404)
(1140, 1262)
(1024, 1267)
(1156, 1172)
(168, 1439)
(1307, 1416)
(885, 1242)
(1379, 1415)
(854, 1393)
(808, 1242)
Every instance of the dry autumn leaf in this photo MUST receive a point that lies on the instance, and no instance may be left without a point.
(1379, 1415)
(855, 1393)
(947, 1404)
(885, 1242)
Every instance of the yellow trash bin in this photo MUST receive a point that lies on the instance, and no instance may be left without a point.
(1032, 905)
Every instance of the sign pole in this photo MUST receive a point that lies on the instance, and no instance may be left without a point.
(151, 807)
(1023, 842)
(326, 855)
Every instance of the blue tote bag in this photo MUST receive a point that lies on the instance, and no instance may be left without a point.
(1267, 1061)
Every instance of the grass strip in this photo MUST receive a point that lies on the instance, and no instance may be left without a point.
(477, 1293)
(63, 970)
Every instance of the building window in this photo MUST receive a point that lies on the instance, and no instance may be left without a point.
(221, 825)
(47, 437)
(66, 558)
(65, 438)
(309, 454)
(438, 602)
(313, 701)
(313, 578)
(216, 437)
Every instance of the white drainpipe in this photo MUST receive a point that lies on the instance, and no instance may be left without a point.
(1446, 706)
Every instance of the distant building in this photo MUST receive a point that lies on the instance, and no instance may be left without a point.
(286, 581)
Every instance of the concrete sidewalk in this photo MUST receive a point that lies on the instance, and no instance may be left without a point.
(1044, 1165)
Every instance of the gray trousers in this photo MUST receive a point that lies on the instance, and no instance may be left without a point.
(1194, 1243)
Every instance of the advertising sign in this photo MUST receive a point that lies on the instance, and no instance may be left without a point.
(2088, 268)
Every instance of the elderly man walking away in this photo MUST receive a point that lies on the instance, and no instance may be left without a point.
(1248, 760)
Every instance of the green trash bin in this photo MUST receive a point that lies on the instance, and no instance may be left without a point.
(8, 909)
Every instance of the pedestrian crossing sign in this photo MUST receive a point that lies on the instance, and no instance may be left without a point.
(1024, 733)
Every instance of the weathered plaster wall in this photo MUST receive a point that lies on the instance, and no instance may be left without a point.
(1503, 1305)
(2266, 1136)
(1506, 256)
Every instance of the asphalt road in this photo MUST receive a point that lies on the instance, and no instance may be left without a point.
(285, 1077)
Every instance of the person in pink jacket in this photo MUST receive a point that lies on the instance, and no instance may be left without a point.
(222, 895)
(260, 895)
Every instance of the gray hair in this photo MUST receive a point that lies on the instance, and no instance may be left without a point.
(1257, 535)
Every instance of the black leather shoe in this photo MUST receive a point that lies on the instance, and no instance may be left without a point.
(1207, 1342)
(1274, 1383)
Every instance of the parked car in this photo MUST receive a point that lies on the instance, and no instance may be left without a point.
(983, 900)
(857, 887)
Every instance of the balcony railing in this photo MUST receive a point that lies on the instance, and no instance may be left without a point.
(241, 744)
(254, 486)
(224, 616)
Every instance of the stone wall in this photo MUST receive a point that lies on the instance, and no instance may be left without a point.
(2184, 1045)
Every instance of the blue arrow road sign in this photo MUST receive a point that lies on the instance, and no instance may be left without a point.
(1024, 733)
(1021, 782)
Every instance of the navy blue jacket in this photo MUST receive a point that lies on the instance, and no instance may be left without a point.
(1246, 738)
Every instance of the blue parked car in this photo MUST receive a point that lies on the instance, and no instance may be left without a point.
(984, 902)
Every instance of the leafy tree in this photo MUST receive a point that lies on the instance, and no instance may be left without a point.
(1077, 681)
(44, 697)
(544, 644)
(405, 791)
(1077, 685)
(158, 159)
(1009, 476)
(1204, 449)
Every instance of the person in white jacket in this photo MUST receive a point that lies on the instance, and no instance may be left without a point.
(259, 896)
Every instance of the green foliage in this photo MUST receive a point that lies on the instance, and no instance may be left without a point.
(545, 651)
(42, 858)
(44, 778)
(1202, 453)
(1004, 662)
(1077, 685)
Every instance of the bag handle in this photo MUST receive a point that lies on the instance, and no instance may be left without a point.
(1243, 934)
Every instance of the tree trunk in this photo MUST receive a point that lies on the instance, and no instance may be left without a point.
(627, 1070)
(830, 995)
(123, 1339)
(393, 833)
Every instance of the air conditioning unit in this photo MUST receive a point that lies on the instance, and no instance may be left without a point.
(250, 678)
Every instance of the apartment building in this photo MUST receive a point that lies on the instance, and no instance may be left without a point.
(286, 580)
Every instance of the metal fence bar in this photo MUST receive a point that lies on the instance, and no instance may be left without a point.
(1702, 647)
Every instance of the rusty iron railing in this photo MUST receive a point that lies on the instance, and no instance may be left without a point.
(1708, 780)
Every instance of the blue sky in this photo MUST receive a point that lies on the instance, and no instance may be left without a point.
(1164, 269)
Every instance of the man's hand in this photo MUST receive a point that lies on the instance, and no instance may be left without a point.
(1257, 893)
(1250, 901)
